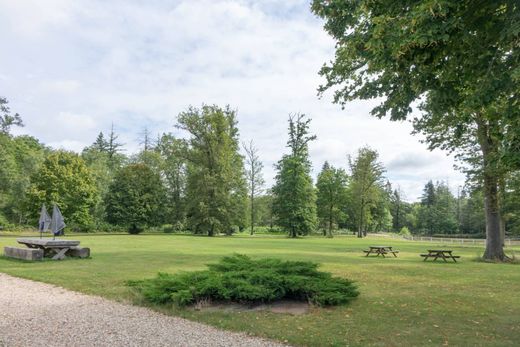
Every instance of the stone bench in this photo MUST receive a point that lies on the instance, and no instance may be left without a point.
(80, 252)
(23, 253)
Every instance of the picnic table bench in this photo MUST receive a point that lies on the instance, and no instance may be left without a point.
(380, 250)
(444, 254)
(56, 249)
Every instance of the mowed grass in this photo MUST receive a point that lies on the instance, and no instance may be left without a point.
(404, 301)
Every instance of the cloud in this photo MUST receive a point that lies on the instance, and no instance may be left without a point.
(61, 87)
(411, 161)
(78, 66)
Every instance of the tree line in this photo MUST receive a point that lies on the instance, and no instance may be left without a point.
(204, 185)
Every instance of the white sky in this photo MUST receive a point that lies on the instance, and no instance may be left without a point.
(71, 68)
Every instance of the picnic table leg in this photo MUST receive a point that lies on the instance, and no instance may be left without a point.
(370, 251)
(61, 254)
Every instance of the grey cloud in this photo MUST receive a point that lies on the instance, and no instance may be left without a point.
(410, 160)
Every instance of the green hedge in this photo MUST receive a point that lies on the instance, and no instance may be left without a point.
(239, 278)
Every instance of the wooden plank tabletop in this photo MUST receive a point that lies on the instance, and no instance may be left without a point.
(48, 242)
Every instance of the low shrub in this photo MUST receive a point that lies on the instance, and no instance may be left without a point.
(177, 227)
(405, 232)
(267, 230)
(241, 279)
(4, 223)
(135, 229)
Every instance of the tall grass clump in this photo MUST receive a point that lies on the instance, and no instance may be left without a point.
(241, 279)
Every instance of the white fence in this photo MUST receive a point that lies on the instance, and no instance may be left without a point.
(507, 242)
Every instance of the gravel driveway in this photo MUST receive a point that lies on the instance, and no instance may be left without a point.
(38, 314)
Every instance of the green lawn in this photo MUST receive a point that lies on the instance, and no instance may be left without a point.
(403, 302)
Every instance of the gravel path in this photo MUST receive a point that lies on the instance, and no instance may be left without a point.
(38, 314)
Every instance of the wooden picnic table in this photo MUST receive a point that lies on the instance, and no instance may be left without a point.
(444, 254)
(56, 249)
(381, 250)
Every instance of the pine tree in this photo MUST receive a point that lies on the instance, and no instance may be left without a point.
(114, 147)
(427, 212)
(294, 201)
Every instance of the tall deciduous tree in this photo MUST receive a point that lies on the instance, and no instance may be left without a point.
(136, 198)
(331, 188)
(8, 120)
(458, 59)
(174, 173)
(294, 201)
(216, 188)
(255, 179)
(64, 179)
(20, 158)
(366, 186)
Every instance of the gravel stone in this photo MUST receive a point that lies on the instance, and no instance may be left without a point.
(39, 314)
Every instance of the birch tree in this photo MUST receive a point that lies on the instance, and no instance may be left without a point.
(255, 180)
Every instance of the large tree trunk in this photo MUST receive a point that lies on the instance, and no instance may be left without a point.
(494, 244)
(489, 147)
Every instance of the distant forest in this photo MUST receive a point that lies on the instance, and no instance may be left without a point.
(203, 184)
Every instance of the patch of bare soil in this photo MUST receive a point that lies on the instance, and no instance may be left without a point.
(282, 306)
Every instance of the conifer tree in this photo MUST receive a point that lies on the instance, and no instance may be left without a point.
(294, 201)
